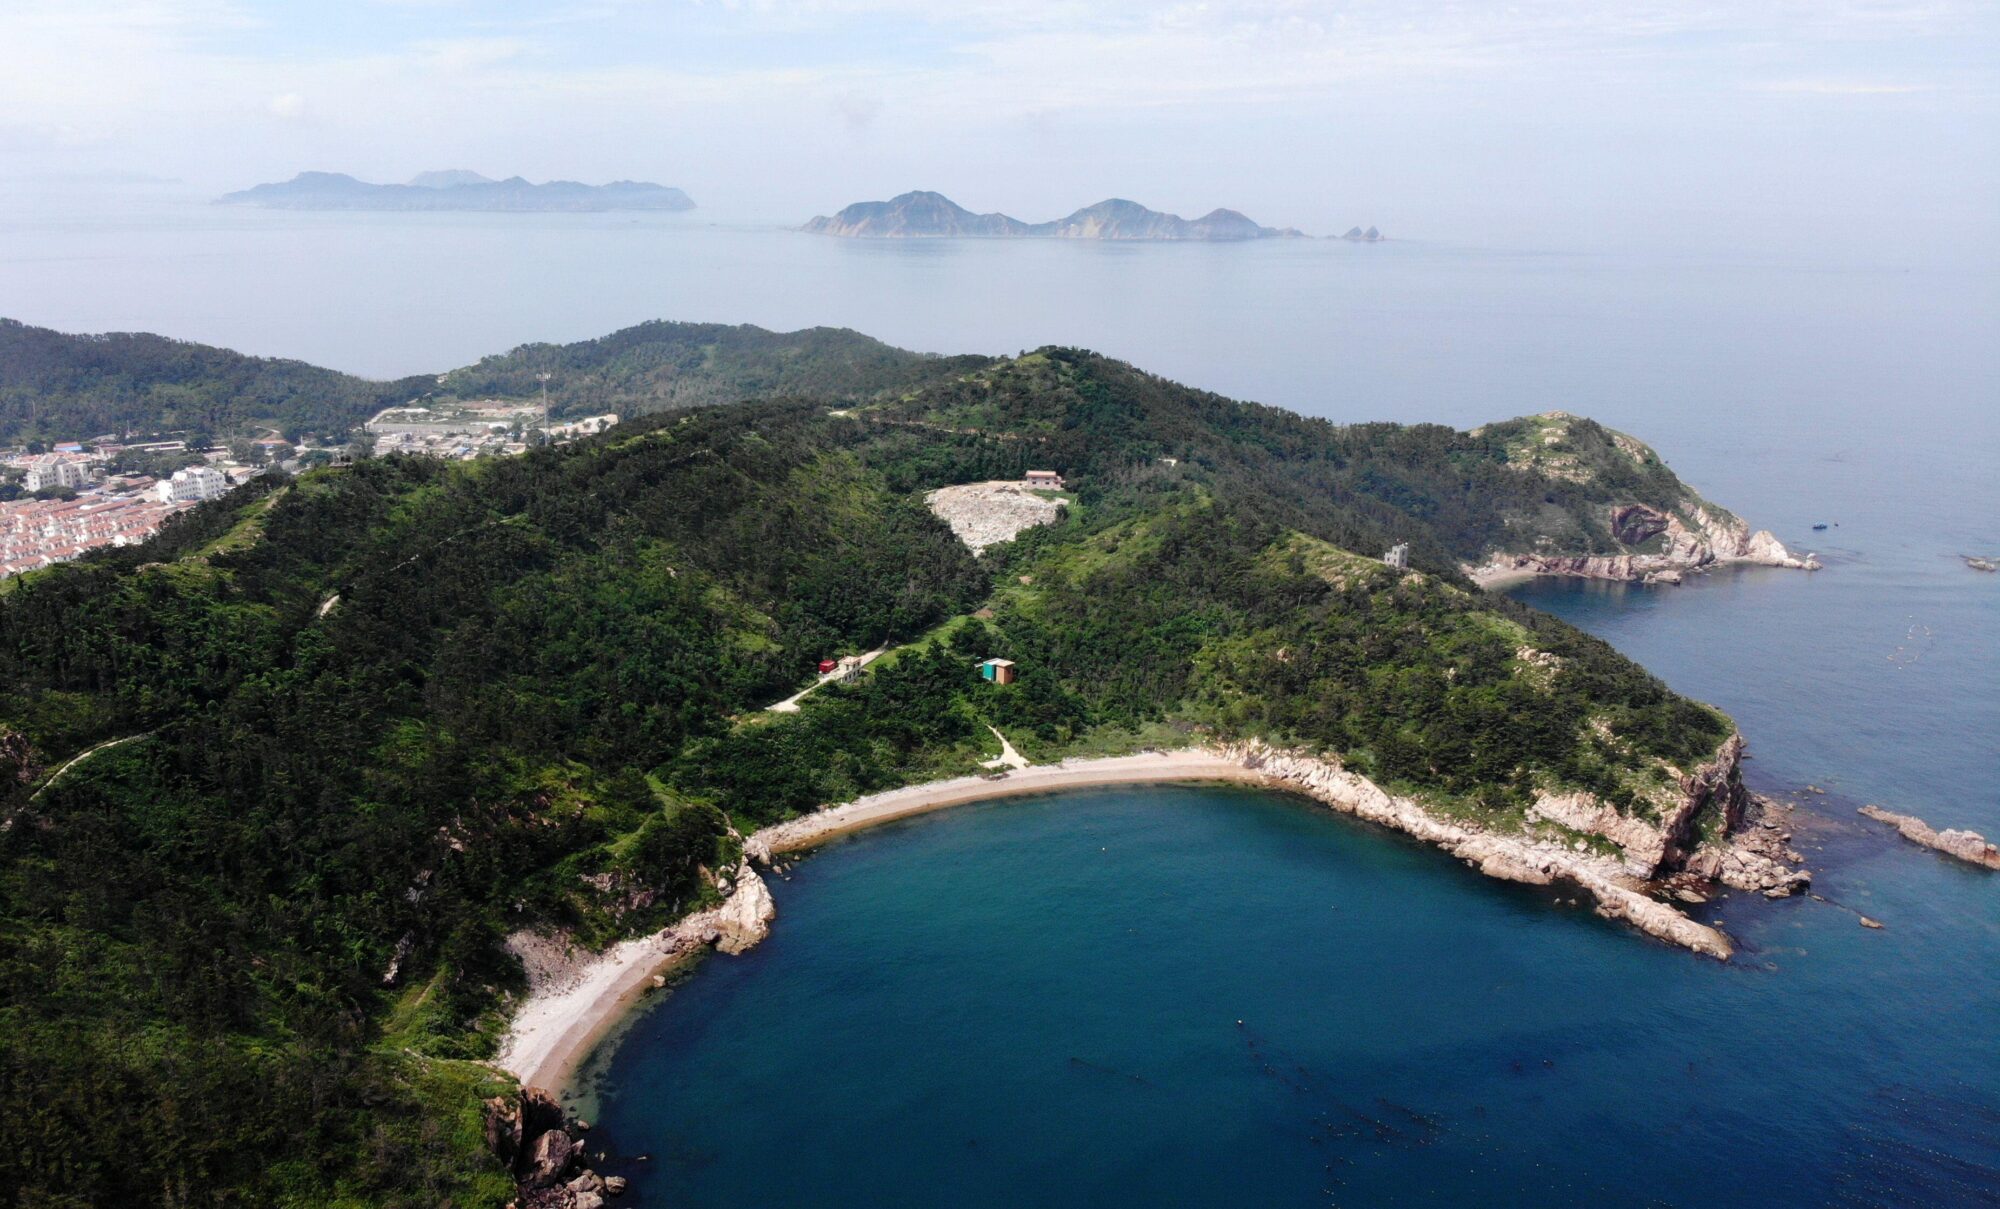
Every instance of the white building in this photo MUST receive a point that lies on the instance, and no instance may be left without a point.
(55, 470)
(193, 484)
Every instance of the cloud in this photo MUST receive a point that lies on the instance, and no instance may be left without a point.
(288, 105)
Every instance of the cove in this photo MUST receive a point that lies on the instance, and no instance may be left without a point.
(1036, 1001)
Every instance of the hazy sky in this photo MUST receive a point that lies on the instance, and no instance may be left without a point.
(1748, 120)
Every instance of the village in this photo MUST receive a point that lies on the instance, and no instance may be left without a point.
(59, 503)
(77, 498)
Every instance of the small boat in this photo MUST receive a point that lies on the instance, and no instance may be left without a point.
(1821, 525)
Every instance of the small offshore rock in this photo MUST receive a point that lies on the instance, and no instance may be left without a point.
(1968, 846)
(1870, 923)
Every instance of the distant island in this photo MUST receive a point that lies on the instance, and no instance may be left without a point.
(456, 189)
(927, 215)
(1357, 235)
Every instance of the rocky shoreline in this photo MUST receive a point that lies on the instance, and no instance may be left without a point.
(1968, 846)
(1708, 543)
(1656, 857)
(570, 1003)
(544, 1149)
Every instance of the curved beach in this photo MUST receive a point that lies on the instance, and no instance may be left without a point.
(559, 1022)
(563, 1018)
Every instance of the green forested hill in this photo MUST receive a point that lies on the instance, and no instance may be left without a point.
(365, 723)
(662, 366)
(57, 386)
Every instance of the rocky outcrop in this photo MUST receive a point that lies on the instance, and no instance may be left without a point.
(745, 918)
(1511, 856)
(1703, 541)
(1968, 846)
(543, 1148)
(1754, 854)
(986, 514)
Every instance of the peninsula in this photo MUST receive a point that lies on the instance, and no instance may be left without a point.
(348, 785)
(456, 189)
(926, 215)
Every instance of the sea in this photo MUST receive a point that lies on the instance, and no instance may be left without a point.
(1208, 996)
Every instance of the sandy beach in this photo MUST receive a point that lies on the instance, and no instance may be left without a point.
(568, 1010)
(1145, 768)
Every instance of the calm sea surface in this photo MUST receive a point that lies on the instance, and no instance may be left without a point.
(1036, 1002)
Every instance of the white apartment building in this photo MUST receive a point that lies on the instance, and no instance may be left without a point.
(192, 485)
(55, 470)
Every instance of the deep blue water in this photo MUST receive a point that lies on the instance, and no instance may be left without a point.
(1035, 1002)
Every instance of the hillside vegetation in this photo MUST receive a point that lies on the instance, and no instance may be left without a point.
(367, 722)
(55, 386)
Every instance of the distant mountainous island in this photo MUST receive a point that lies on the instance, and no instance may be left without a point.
(456, 189)
(927, 215)
(1357, 235)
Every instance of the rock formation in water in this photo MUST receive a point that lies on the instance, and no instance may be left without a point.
(1968, 846)
(456, 189)
(926, 215)
(1357, 235)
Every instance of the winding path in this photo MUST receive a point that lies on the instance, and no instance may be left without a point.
(81, 756)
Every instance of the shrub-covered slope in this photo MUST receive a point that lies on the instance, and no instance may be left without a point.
(341, 735)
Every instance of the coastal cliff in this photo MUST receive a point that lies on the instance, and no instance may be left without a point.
(1540, 854)
(1702, 543)
(1653, 529)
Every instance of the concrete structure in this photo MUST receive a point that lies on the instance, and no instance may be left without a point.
(51, 470)
(192, 485)
(999, 671)
(1044, 478)
(1398, 556)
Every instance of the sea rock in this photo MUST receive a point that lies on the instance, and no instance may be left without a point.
(1968, 846)
(615, 1185)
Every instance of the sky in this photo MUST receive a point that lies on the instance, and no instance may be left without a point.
(1791, 122)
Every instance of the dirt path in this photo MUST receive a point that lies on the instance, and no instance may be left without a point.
(81, 756)
(790, 705)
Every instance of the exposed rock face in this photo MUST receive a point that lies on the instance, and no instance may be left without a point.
(1711, 541)
(1656, 848)
(745, 919)
(986, 514)
(543, 1150)
(1513, 857)
(1968, 846)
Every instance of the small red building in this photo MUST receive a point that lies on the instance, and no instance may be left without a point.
(827, 665)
